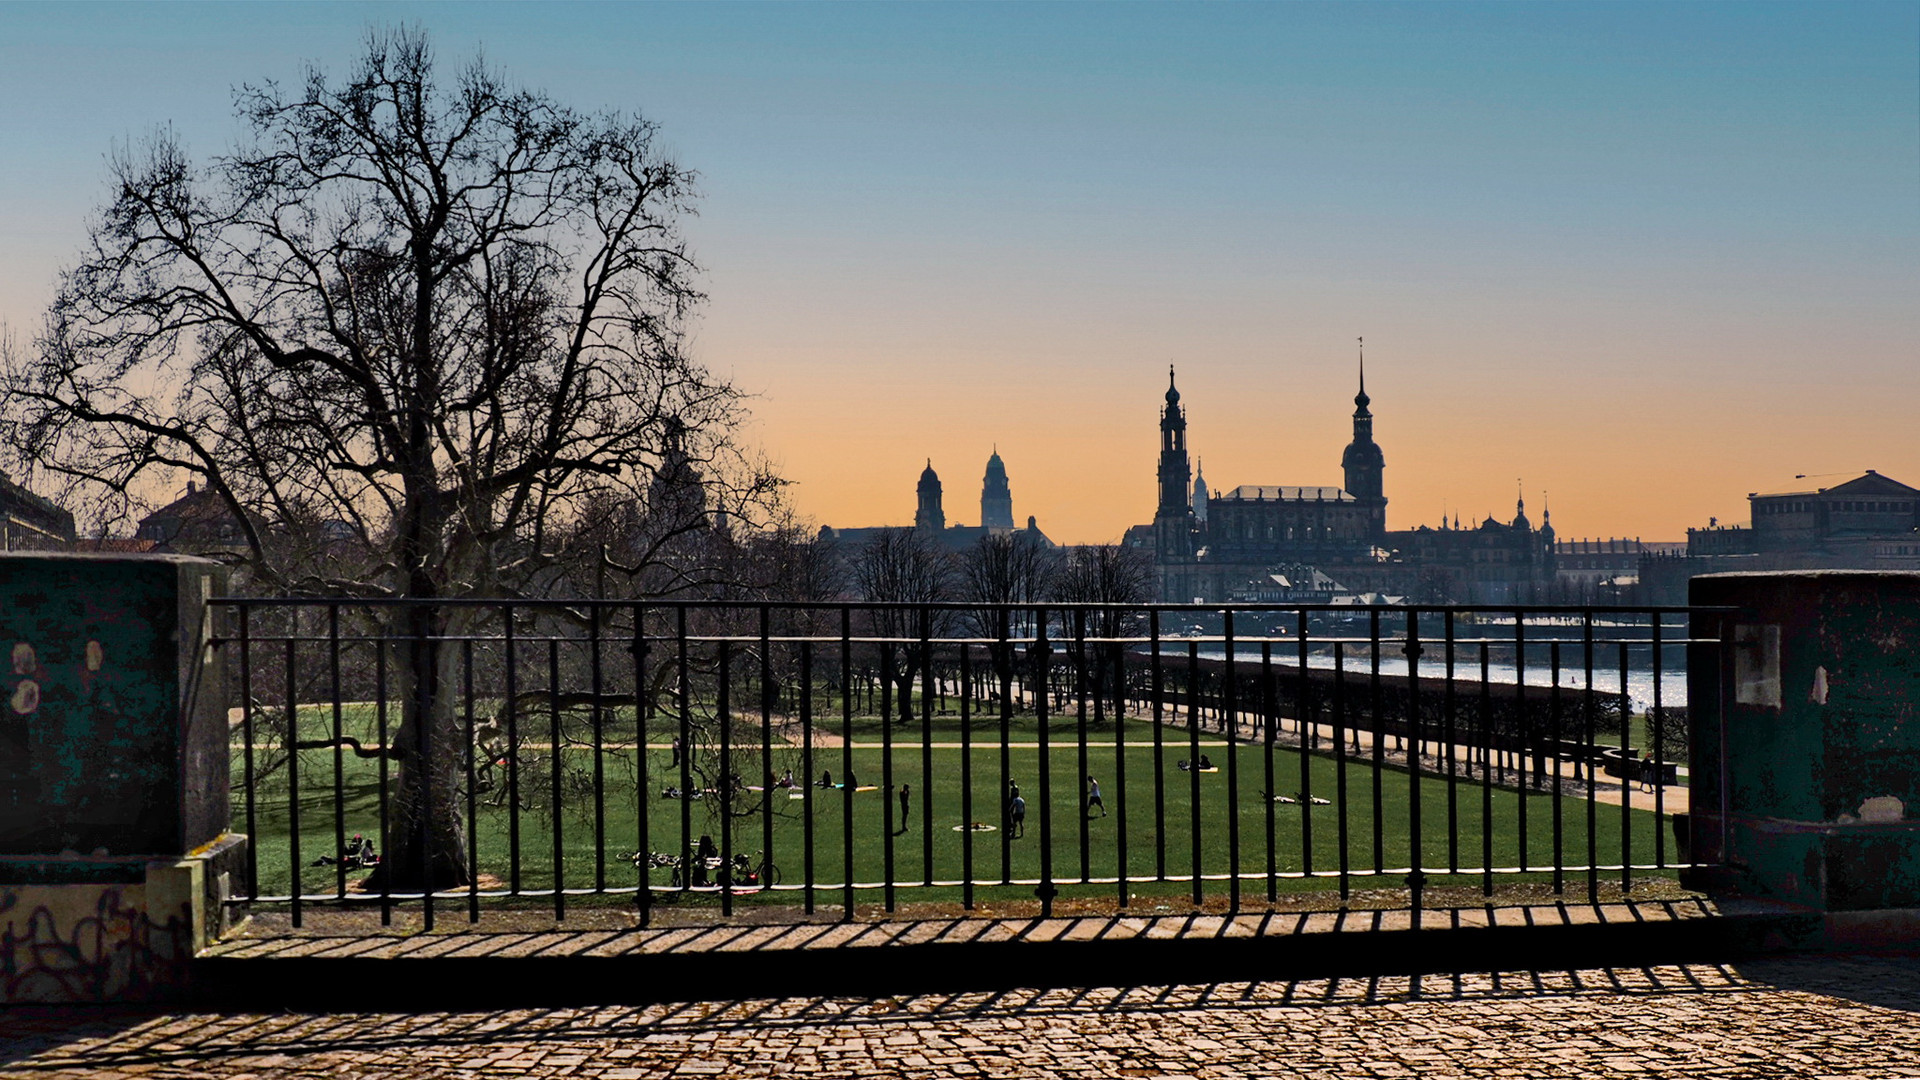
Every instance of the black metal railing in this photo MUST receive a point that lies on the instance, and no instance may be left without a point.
(472, 753)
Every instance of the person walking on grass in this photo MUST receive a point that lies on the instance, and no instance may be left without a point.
(1093, 797)
(1017, 815)
(906, 791)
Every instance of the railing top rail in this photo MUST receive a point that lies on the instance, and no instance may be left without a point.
(956, 605)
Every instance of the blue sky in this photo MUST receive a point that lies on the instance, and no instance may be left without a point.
(1645, 257)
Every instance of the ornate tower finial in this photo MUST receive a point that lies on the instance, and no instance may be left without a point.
(1363, 369)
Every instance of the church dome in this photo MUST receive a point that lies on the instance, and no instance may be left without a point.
(1173, 395)
(929, 478)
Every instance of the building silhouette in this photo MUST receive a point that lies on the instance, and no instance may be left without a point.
(996, 497)
(930, 516)
(1837, 521)
(29, 522)
(1228, 545)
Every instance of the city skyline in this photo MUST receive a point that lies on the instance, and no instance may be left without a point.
(1643, 259)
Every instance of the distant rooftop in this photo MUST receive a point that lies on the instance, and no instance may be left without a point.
(1814, 483)
(1279, 493)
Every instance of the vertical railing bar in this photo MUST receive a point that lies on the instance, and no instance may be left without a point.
(293, 786)
(1555, 731)
(642, 782)
(683, 672)
(427, 691)
(1449, 719)
(1043, 675)
(1340, 725)
(1490, 739)
(1416, 840)
(1159, 752)
(597, 716)
(728, 790)
(246, 751)
(1589, 748)
(886, 770)
(473, 816)
(846, 758)
(1379, 730)
(806, 767)
(1080, 748)
(1229, 704)
(1523, 729)
(966, 776)
(556, 779)
(386, 832)
(928, 691)
(1657, 731)
(1121, 856)
(339, 754)
(1193, 766)
(1268, 717)
(512, 651)
(1006, 754)
(1305, 721)
(764, 869)
(1627, 766)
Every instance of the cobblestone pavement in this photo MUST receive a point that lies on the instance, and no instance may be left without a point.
(1827, 1017)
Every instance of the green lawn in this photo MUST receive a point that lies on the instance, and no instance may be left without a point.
(1159, 833)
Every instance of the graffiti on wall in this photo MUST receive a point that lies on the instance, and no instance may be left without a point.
(89, 943)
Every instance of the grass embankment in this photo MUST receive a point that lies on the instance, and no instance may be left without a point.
(1159, 808)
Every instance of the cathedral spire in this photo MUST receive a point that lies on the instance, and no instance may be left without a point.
(1361, 399)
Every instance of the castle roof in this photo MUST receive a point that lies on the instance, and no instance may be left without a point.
(1284, 493)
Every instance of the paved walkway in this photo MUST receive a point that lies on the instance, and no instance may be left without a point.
(1849, 1017)
(334, 934)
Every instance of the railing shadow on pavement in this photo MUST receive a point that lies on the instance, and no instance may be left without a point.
(49, 1039)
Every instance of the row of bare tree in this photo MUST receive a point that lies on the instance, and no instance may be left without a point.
(1007, 570)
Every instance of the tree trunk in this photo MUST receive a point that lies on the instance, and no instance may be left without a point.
(426, 837)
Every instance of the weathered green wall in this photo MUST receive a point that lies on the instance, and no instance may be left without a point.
(103, 735)
(113, 775)
(1817, 737)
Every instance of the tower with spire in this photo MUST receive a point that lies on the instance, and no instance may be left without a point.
(1173, 522)
(1363, 462)
(996, 498)
(1200, 493)
(930, 517)
(1175, 474)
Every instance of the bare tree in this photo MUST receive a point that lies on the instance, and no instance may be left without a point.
(441, 318)
(1006, 569)
(1107, 574)
(902, 566)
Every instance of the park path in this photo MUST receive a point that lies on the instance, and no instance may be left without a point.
(1855, 1017)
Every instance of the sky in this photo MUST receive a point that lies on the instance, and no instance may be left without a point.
(1633, 260)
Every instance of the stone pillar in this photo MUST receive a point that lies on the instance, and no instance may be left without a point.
(114, 850)
(1806, 732)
